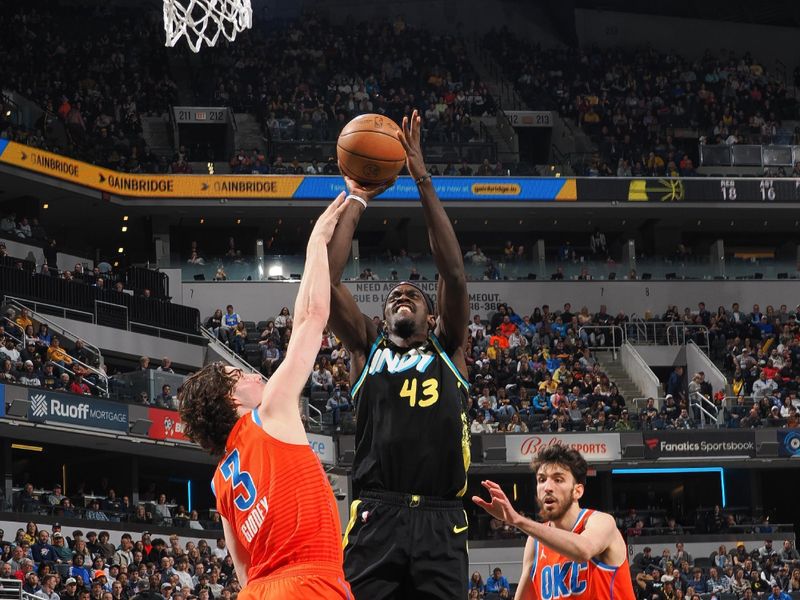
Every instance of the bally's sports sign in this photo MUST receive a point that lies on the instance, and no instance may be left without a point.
(595, 447)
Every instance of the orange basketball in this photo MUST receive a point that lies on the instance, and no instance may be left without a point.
(369, 151)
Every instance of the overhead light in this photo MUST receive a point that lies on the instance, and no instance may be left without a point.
(45, 206)
(124, 228)
(27, 447)
(275, 271)
(125, 218)
(120, 250)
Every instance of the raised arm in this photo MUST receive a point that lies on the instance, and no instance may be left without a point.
(594, 541)
(452, 298)
(356, 330)
(311, 309)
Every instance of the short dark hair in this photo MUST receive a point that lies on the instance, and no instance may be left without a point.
(558, 454)
(205, 408)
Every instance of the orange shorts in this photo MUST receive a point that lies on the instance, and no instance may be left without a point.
(308, 581)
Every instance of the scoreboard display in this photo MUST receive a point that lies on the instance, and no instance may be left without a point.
(694, 190)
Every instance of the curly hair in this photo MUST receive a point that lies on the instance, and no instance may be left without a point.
(558, 454)
(206, 408)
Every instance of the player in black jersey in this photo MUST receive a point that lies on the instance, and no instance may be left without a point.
(407, 535)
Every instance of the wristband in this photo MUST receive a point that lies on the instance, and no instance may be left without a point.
(358, 199)
(421, 180)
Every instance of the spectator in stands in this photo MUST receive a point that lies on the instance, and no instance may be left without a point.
(497, 582)
(166, 365)
(229, 322)
(214, 323)
(79, 386)
(78, 570)
(56, 354)
(162, 510)
(778, 594)
(166, 399)
(93, 513)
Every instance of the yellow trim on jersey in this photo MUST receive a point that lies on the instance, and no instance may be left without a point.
(353, 516)
(466, 454)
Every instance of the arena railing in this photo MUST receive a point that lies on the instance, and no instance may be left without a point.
(749, 155)
(608, 333)
(228, 354)
(670, 333)
(19, 304)
(149, 311)
(706, 408)
(11, 589)
(639, 371)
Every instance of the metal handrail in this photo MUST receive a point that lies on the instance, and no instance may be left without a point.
(614, 347)
(229, 354)
(643, 376)
(317, 421)
(20, 304)
(682, 328)
(703, 412)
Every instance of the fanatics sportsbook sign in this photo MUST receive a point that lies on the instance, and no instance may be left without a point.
(699, 445)
(595, 447)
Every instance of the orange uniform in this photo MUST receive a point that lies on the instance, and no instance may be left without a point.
(277, 498)
(555, 576)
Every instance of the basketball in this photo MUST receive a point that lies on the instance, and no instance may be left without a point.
(368, 149)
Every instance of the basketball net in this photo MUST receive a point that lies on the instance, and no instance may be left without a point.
(202, 21)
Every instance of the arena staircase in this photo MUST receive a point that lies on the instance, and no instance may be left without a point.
(157, 134)
(570, 145)
(617, 375)
(249, 134)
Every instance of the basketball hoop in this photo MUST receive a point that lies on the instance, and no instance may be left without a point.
(202, 21)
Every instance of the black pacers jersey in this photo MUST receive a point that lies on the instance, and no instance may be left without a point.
(412, 434)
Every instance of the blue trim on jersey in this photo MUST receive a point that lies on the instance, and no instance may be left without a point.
(363, 375)
(578, 520)
(535, 557)
(611, 586)
(213, 489)
(256, 417)
(453, 368)
(604, 566)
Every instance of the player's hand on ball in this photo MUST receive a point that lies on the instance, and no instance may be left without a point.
(326, 222)
(409, 136)
(365, 191)
(499, 506)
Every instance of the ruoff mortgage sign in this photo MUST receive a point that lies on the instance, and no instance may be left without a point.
(86, 411)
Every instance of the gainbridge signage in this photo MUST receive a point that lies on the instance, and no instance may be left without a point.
(259, 187)
(595, 447)
(146, 186)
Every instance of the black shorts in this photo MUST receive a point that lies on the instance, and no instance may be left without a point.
(403, 546)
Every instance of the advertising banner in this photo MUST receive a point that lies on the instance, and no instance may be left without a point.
(56, 407)
(595, 447)
(789, 442)
(167, 425)
(699, 444)
(323, 447)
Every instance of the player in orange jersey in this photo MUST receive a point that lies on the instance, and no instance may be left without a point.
(576, 552)
(278, 511)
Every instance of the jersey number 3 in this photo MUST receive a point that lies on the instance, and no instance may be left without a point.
(430, 392)
(231, 470)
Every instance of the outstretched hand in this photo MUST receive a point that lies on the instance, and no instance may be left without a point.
(409, 136)
(326, 222)
(367, 192)
(499, 506)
